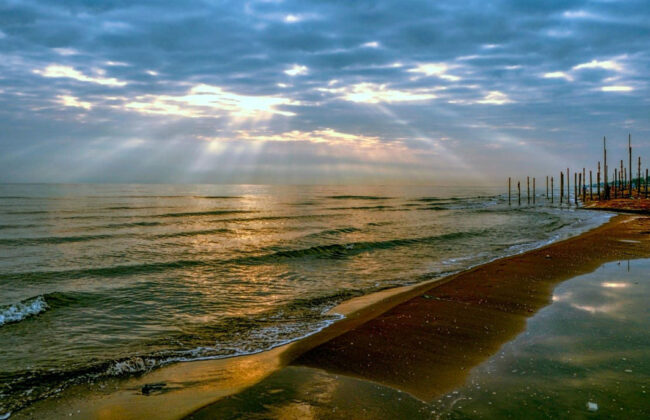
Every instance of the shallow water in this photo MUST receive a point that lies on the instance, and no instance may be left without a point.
(119, 279)
(587, 355)
(592, 345)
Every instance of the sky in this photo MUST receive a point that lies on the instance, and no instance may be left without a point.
(318, 92)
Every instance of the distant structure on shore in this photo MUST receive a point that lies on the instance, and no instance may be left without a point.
(621, 185)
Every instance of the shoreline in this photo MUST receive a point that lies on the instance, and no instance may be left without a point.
(428, 345)
(189, 386)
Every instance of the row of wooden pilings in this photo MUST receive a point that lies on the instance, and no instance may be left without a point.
(620, 185)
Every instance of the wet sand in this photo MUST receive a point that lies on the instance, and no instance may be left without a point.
(427, 345)
(622, 205)
(422, 339)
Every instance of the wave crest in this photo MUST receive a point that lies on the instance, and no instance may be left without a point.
(16, 312)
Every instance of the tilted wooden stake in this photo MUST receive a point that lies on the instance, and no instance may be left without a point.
(621, 185)
(629, 149)
(598, 180)
(638, 182)
(568, 187)
(553, 193)
(508, 190)
(605, 184)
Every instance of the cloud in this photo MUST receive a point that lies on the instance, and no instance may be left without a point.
(296, 70)
(372, 44)
(66, 51)
(58, 71)
(617, 88)
(208, 101)
(495, 98)
(558, 75)
(605, 65)
(323, 136)
(71, 101)
(578, 14)
(373, 93)
(491, 98)
(435, 69)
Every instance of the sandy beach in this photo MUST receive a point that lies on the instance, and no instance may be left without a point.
(422, 340)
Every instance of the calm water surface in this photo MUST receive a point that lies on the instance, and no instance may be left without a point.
(104, 280)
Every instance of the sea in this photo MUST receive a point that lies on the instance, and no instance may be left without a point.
(100, 281)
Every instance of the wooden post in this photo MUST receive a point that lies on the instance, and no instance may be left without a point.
(547, 187)
(568, 187)
(598, 181)
(646, 182)
(519, 192)
(561, 187)
(629, 149)
(605, 184)
(575, 188)
(591, 188)
(621, 180)
(582, 184)
(533, 190)
(553, 192)
(508, 190)
(528, 189)
(638, 182)
(578, 183)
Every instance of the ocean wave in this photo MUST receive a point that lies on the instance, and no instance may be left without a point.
(51, 240)
(351, 248)
(219, 197)
(16, 312)
(435, 208)
(357, 197)
(320, 251)
(203, 213)
(361, 208)
(130, 207)
(33, 225)
(128, 224)
(111, 271)
(333, 232)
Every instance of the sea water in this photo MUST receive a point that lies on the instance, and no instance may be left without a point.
(112, 280)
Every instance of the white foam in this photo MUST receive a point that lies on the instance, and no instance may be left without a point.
(273, 334)
(134, 365)
(18, 311)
